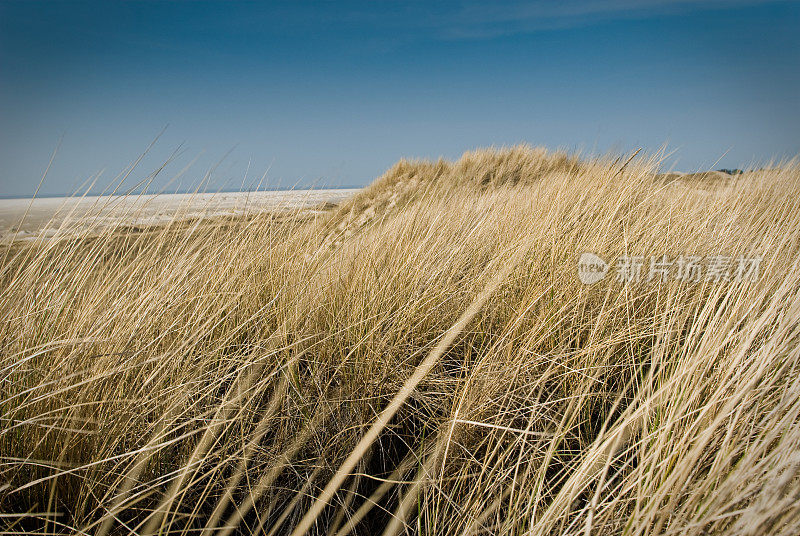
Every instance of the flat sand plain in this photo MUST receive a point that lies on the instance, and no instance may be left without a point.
(26, 219)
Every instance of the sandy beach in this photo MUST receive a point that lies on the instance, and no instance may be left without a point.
(26, 219)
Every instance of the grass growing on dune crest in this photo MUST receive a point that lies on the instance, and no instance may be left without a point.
(421, 359)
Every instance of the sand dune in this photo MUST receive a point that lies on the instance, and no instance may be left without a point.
(426, 355)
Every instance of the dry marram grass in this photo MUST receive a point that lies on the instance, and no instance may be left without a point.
(421, 359)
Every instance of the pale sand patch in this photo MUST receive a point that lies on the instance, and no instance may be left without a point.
(47, 217)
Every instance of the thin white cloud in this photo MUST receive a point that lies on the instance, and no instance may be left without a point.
(475, 20)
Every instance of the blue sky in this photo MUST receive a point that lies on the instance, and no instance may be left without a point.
(334, 93)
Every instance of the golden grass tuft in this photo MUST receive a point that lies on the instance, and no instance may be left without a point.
(422, 359)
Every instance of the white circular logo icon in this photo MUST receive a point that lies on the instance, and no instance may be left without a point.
(591, 268)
